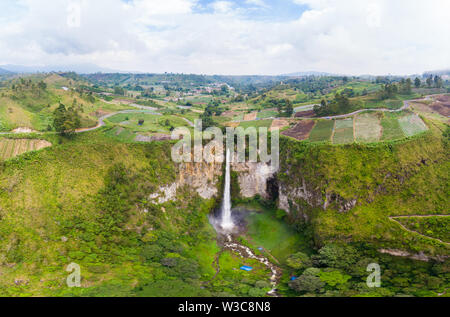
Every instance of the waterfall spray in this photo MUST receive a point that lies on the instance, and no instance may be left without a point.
(227, 221)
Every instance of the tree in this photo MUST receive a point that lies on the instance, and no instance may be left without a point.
(289, 108)
(299, 261)
(66, 121)
(417, 82)
(224, 89)
(338, 256)
(408, 86)
(430, 81)
(119, 91)
(309, 282)
(333, 277)
(437, 81)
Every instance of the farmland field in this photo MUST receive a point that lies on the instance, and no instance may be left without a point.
(152, 122)
(250, 116)
(411, 124)
(343, 131)
(10, 148)
(391, 127)
(256, 124)
(267, 114)
(322, 131)
(304, 108)
(301, 130)
(367, 128)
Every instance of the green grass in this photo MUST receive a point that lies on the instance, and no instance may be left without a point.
(322, 131)
(391, 127)
(238, 117)
(257, 124)
(274, 235)
(122, 134)
(434, 227)
(358, 171)
(152, 123)
(267, 114)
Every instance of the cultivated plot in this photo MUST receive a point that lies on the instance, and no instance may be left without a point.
(322, 131)
(391, 127)
(368, 127)
(257, 124)
(279, 124)
(267, 114)
(301, 130)
(10, 148)
(411, 124)
(343, 132)
(250, 116)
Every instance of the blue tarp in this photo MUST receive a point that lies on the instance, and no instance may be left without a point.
(294, 278)
(246, 268)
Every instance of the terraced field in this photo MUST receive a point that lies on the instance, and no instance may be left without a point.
(343, 132)
(367, 127)
(10, 148)
(322, 131)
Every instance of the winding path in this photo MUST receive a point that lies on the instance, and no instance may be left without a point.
(101, 121)
(405, 106)
(393, 219)
(152, 110)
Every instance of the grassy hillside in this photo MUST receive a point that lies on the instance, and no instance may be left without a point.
(30, 103)
(84, 201)
(386, 179)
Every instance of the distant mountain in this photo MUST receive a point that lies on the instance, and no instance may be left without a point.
(4, 72)
(312, 73)
(78, 68)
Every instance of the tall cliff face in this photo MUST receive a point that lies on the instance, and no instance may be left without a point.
(202, 178)
(254, 178)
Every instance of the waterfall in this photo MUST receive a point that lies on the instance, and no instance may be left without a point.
(227, 221)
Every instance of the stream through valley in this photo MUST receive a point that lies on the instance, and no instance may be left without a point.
(229, 225)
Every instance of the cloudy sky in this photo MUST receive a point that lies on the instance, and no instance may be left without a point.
(229, 36)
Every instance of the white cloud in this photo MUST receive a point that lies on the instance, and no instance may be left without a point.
(222, 6)
(257, 3)
(346, 36)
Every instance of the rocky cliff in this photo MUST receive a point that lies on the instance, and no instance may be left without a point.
(202, 178)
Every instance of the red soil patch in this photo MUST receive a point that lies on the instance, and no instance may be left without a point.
(250, 116)
(444, 99)
(301, 130)
(442, 108)
(305, 114)
(442, 105)
(278, 124)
